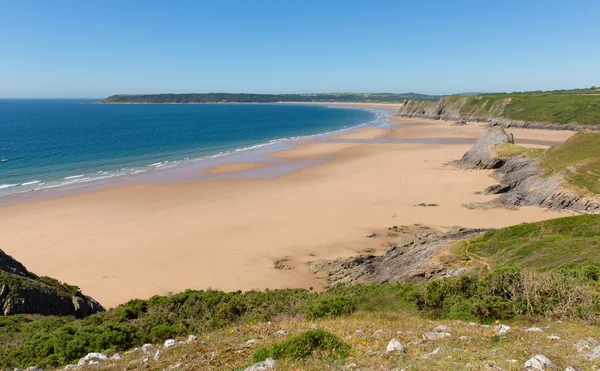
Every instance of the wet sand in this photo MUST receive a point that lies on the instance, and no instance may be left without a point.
(136, 241)
(233, 167)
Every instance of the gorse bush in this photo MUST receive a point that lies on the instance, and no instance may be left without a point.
(304, 345)
(327, 307)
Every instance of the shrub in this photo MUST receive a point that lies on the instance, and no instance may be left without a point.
(327, 307)
(304, 345)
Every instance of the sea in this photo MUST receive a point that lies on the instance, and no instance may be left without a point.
(48, 144)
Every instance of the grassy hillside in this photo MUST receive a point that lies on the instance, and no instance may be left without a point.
(267, 98)
(566, 244)
(564, 254)
(578, 159)
(580, 106)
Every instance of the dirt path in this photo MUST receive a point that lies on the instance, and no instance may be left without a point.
(474, 256)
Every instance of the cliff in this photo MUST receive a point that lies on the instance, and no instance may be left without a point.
(22, 292)
(564, 110)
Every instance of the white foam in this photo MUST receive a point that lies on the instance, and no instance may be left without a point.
(30, 183)
(3, 186)
(73, 177)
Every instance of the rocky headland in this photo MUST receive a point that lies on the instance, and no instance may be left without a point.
(498, 110)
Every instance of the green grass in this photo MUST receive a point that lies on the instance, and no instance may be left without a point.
(578, 160)
(562, 109)
(578, 106)
(558, 244)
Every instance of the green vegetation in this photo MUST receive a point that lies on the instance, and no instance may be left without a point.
(423, 204)
(549, 269)
(566, 244)
(578, 160)
(267, 98)
(578, 106)
(305, 345)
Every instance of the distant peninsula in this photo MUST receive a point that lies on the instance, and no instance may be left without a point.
(265, 98)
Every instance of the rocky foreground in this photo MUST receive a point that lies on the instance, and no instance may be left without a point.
(390, 341)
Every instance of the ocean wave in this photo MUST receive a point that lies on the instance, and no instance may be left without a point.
(4, 186)
(30, 183)
(73, 177)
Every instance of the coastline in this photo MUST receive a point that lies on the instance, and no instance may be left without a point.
(137, 240)
(160, 171)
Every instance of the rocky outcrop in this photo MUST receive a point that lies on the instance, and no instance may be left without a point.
(524, 182)
(413, 259)
(482, 155)
(22, 292)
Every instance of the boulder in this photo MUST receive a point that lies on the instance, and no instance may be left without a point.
(539, 362)
(170, 343)
(394, 346)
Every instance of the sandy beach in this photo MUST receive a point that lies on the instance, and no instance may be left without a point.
(137, 241)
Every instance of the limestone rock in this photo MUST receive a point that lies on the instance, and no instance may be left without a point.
(592, 354)
(435, 335)
(192, 338)
(482, 156)
(442, 328)
(502, 329)
(147, 348)
(539, 362)
(91, 358)
(170, 343)
(282, 332)
(394, 346)
(268, 364)
(585, 344)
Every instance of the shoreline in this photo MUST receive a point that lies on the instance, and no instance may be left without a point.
(138, 240)
(150, 172)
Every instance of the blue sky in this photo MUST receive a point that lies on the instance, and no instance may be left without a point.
(98, 48)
